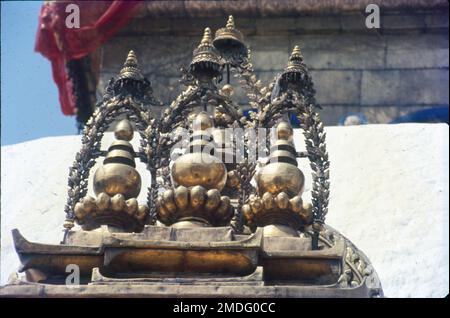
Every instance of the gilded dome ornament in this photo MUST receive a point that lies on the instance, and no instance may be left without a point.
(207, 221)
(117, 176)
(116, 184)
(206, 63)
(130, 68)
(296, 79)
(198, 178)
(131, 81)
(124, 130)
(295, 67)
(230, 41)
(280, 186)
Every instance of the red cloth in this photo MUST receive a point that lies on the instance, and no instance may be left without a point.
(99, 20)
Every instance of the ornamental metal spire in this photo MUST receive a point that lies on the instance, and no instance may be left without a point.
(206, 62)
(230, 22)
(130, 68)
(295, 63)
(230, 41)
(206, 40)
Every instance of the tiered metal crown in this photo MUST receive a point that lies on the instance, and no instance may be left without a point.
(206, 57)
(130, 68)
(230, 40)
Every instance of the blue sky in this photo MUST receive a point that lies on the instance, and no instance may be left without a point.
(29, 98)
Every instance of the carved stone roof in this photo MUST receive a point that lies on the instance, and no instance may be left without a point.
(267, 8)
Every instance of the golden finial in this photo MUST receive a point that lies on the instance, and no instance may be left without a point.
(130, 67)
(202, 121)
(206, 61)
(230, 40)
(124, 130)
(296, 52)
(206, 37)
(281, 173)
(295, 65)
(230, 22)
(284, 131)
(131, 59)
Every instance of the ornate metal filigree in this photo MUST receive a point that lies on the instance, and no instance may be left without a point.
(129, 96)
(291, 92)
(294, 93)
(217, 221)
(292, 102)
(245, 171)
(91, 142)
(318, 157)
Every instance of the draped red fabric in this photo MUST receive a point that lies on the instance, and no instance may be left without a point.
(99, 20)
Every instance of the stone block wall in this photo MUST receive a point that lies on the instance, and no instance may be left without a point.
(382, 73)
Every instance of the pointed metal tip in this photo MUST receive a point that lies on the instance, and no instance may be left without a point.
(202, 121)
(206, 36)
(124, 130)
(130, 68)
(230, 22)
(296, 54)
(284, 130)
(131, 59)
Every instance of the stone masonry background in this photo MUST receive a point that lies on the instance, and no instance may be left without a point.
(399, 68)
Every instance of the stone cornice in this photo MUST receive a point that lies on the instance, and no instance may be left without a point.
(270, 8)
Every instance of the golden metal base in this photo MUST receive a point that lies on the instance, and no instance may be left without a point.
(199, 254)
